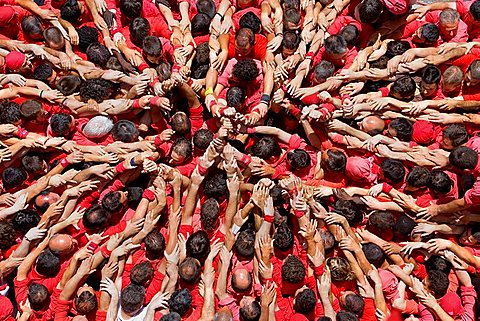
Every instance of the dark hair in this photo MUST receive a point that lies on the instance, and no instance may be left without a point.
(305, 301)
(457, 133)
(181, 123)
(154, 244)
(189, 270)
(245, 37)
(32, 25)
(405, 87)
(244, 244)
(111, 202)
(283, 238)
(200, 24)
(142, 273)
(60, 124)
(288, 4)
(430, 32)
(293, 270)
(202, 138)
(139, 30)
(131, 8)
(440, 182)
(336, 160)
(432, 74)
(464, 158)
(381, 220)
(70, 11)
(13, 177)
(251, 312)
(340, 268)
(206, 7)
(86, 36)
(374, 254)
(346, 316)
(438, 283)
(323, 70)
(24, 220)
(9, 112)
(250, 20)
(404, 225)
(299, 159)
(328, 240)
(48, 264)
(475, 10)
(98, 54)
(354, 303)
(182, 147)
(180, 301)
(69, 85)
(30, 108)
(369, 10)
(350, 33)
(418, 177)
(7, 235)
(95, 218)
(291, 40)
(37, 296)
(266, 148)
(349, 210)
(393, 170)
(42, 72)
(198, 245)
(292, 15)
(215, 186)
(132, 298)
(86, 302)
(474, 69)
(396, 48)
(241, 289)
(152, 46)
(97, 89)
(172, 316)
(245, 70)
(134, 195)
(335, 45)
(438, 263)
(125, 131)
(209, 213)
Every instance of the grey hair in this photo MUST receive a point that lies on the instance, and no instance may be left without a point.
(449, 16)
(98, 126)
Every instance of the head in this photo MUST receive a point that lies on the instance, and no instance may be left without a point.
(62, 124)
(430, 82)
(131, 8)
(346, 316)
(134, 195)
(97, 127)
(437, 283)
(404, 226)
(198, 245)
(417, 178)
(334, 160)
(472, 77)
(452, 79)
(181, 151)
(113, 202)
(86, 36)
(131, 299)
(38, 296)
(283, 238)
(47, 264)
(62, 244)
(244, 41)
(245, 71)
(202, 138)
(181, 123)
(241, 280)
(44, 72)
(350, 33)
(98, 54)
(13, 177)
(290, 43)
(372, 125)
(180, 301)
(298, 159)
(448, 23)
(125, 131)
(154, 244)
(305, 301)
(24, 220)
(190, 270)
(267, 148)
(95, 218)
(209, 213)
(32, 27)
(463, 158)
(381, 220)
(340, 269)
(139, 30)
(292, 19)
(403, 88)
(349, 210)
(172, 316)
(322, 71)
(200, 24)
(250, 309)
(374, 254)
(336, 49)
(475, 11)
(206, 7)
(328, 240)
(293, 270)
(250, 20)
(97, 89)
(10, 113)
(244, 244)
(438, 263)
(397, 47)
(392, 170)
(223, 314)
(440, 182)
(71, 10)
(32, 110)
(45, 199)
(142, 274)
(69, 85)
(7, 235)
(454, 135)
(86, 300)
(352, 302)
(54, 38)
(428, 34)
(370, 10)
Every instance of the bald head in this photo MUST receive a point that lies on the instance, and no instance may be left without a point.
(372, 125)
(223, 314)
(45, 199)
(62, 244)
(241, 280)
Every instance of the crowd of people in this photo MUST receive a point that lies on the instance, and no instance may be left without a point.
(239, 160)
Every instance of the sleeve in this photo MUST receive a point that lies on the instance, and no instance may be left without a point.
(223, 78)
(155, 286)
(369, 310)
(296, 142)
(231, 305)
(126, 274)
(472, 196)
(117, 185)
(61, 310)
(468, 298)
(425, 315)
(101, 315)
(21, 289)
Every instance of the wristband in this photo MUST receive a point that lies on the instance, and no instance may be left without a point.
(386, 188)
(92, 246)
(471, 270)
(208, 91)
(219, 14)
(148, 194)
(191, 43)
(158, 140)
(344, 97)
(269, 218)
(22, 133)
(279, 34)
(298, 213)
(132, 162)
(190, 82)
(154, 82)
(143, 66)
(295, 112)
(324, 112)
(154, 100)
(27, 239)
(265, 99)
(105, 252)
(201, 170)
(319, 270)
(120, 168)
(136, 104)
(176, 68)
(64, 162)
(384, 91)
(221, 111)
(246, 159)
(63, 101)
(309, 55)
(251, 130)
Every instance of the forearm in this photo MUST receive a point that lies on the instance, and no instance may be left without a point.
(453, 206)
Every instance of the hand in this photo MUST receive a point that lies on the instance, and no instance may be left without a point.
(318, 259)
(325, 283)
(52, 95)
(375, 190)
(425, 229)
(268, 293)
(8, 199)
(428, 213)
(107, 285)
(374, 276)
(57, 180)
(391, 248)
(233, 184)
(159, 301)
(12, 263)
(275, 43)
(214, 250)
(149, 166)
(266, 272)
(333, 218)
(47, 15)
(17, 80)
(437, 245)
(25, 307)
(348, 244)
(366, 290)
(75, 157)
(75, 217)
(96, 238)
(216, 25)
(267, 24)
(133, 227)
(225, 255)
(85, 266)
(35, 233)
(372, 203)
(265, 244)
(109, 270)
(308, 231)
(82, 254)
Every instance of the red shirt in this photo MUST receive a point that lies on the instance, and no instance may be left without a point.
(259, 49)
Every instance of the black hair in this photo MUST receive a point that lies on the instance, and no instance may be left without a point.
(152, 46)
(86, 36)
(98, 54)
(245, 70)
(475, 10)
(438, 263)
(438, 283)
(37, 296)
(283, 238)
(405, 87)
(369, 10)
(183, 147)
(245, 37)
(323, 70)
(215, 185)
(154, 244)
(350, 33)
(293, 270)
(397, 47)
(95, 218)
(181, 123)
(206, 7)
(180, 301)
(198, 245)
(354, 303)
(292, 15)
(457, 133)
(336, 160)
(142, 273)
(7, 235)
(250, 20)
(97, 89)
(70, 11)
(132, 297)
(305, 302)
(350, 210)
(244, 244)
(346, 316)
(111, 202)
(266, 148)
(86, 302)
(69, 85)
(60, 124)
(47, 264)
(9, 112)
(42, 72)
(291, 40)
(32, 25)
(131, 8)
(381, 220)
(125, 131)
(430, 32)
(464, 158)
(431, 74)
(13, 177)
(440, 182)
(139, 30)
(24, 220)
(393, 170)
(172, 316)
(418, 177)
(299, 159)
(209, 214)
(288, 4)
(335, 45)
(374, 254)
(404, 225)
(200, 24)
(202, 138)
(189, 270)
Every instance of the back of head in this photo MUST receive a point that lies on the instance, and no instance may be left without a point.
(139, 30)
(86, 36)
(374, 254)
(340, 269)
(54, 38)
(397, 47)
(370, 10)
(172, 316)
(463, 158)
(125, 131)
(244, 244)
(32, 25)
(202, 138)
(97, 89)
(30, 108)
(355, 304)
(98, 54)
(142, 273)
(437, 283)
(346, 316)
(95, 218)
(335, 45)
(241, 280)
(250, 20)
(266, 147)
(404, 225)
(43, 72)
(24, 220)
(215, 185)
(393, 170)
(350, 33)
(180, 301)
(189, 270)
(349, 210)
(456, 133)
(293, 270)
(475, 10)
(200, 24)
(10, 113)
(47, 264)
(418, 177)
(430, 32)
(70, 11)
(251, 312)
(474, 70)
(336, 161)
(37, 296)
(449, 16)
(453, 76)
(206, 7)
(131, 8)
(323, 70)
(131, 298)
(431, 75)
(235, 97)
(69, 85)
(181, 123)
(298, 159)
(7, 235)
(245, 70)
(291, 40)
(13, 177)
(404, 88)
(198, 245)
(154, 244)
(438, 263)
(382, 220)
(440, 182)
(86, 302)
(283, 238)
(305, 302)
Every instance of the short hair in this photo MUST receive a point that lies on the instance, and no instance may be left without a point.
(293, 270)
(69, 85)
(139, 30)
(299, 159)
(70, 11)
(142, 273)
(95, 218)
(453, 75)
(180, 301)
(354, 303)
(235, 97)
(9, 112)
(97, 89)
(440, 182)
(86, 302)
(430, 32)
(340, 269)
(154, 244)
(189, 270)
(32, 24)
(13, 177)
(37, 296)
(30, 108)
(393, 170)
(60, 124)
(431, 74)
(202, 138)
(181, 123)
(86, 36)
(245, 70)
(172, 316)
(418, 177)
(449, 15)
(457, 133)
(206, 7)
(98, 54)
(463, 158)
(47, 264)
(474, 69)
(305, 301)
(266, 147)
(132, 297)
(475, 10)
(182, 147)
(215, 185)
(374, 254)
(7, 235)
(350, 210)
(291, 40)
(54, 36)
(336, 161)
(403, 127)
(283, 238)
(125, 131)
(323, 70)
(350, 33)
(382, 220)
(438, 263)
(200, 24)
(198, 245)
(346, 316)
(251, 312)
(292, 15)
(130, 8)
(42, 72)
(369, 10)
(250, 20)
(397, 47)
(25, 219)
(244, 37)
(404, 86)
(404, 225)
(438, 283)
(244, 244)
(335, 45)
